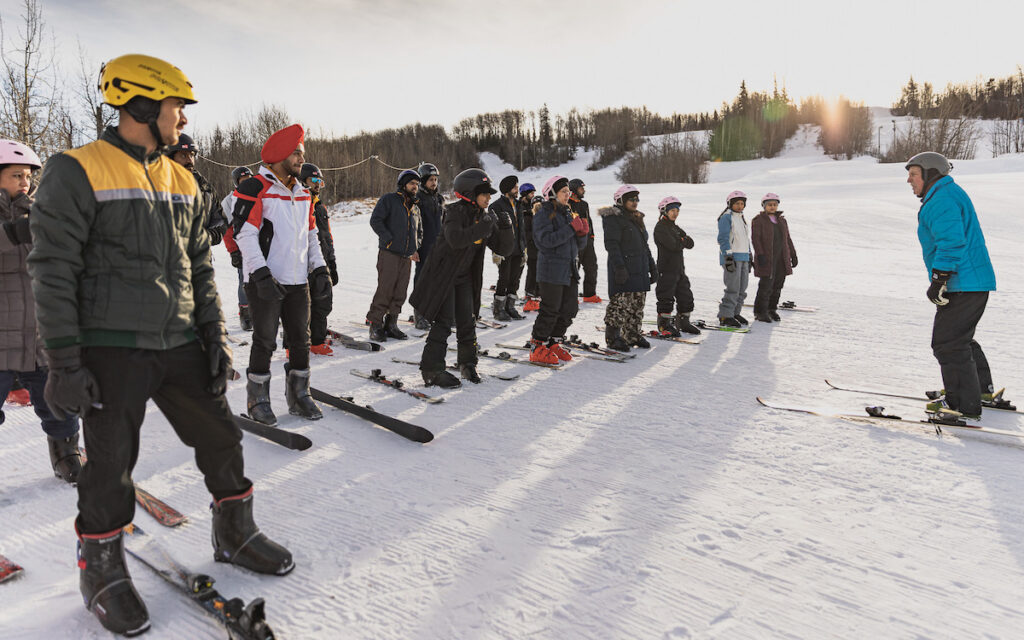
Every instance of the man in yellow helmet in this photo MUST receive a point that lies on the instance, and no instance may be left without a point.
(128, 311)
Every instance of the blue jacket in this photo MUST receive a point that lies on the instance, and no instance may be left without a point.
(733, 237)
(396, 221)
(558, 246)
(951, 238)
(625, 240)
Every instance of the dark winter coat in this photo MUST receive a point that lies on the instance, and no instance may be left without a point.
(214, 220)
(582, 209)
(558, 246)
(431, 204)
(762, 239)
(396, 221)
(525, 209)
(323, 233)
(625, 240)
(20, 349)
(503, 206)
(458, 255)
(670, 240)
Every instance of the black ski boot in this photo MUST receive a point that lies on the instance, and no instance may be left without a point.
(510, 307)
(641, 342)
(613, 338)
(740, 319)
(761, 316)
(441, 379)
(498, 309)
(468, 372)
(106, 585)
(774, 315)
(377, 332)
(391, 328)
(297, 394)
(257, 403)
(65, 458)
(237, 539)
(683, 324)
(666, 325)
(244, 317)
(729, 322)
(420, 322)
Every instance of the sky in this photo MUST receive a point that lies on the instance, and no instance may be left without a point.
(349, 65)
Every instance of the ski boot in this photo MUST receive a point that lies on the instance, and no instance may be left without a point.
(555, 346)
(761, 316)
(498, 309)
(666, 325)
(377, 332)
(19, 397)
(594, 299)
(541, 353)
(613, 338)
(321, 349)
(684, 326)
(257, 403)
(441, 379)
(469, 372)
(995, 401)
(940, 412)
(774, 315)
(641, 342)
(237, 539)
(297, 394)
(727, 321)
(65, 458)
(532, 304)
(421, 323)
(106, 585)
(510, 308)
(740, 319)
(244, 317)
(391, 327)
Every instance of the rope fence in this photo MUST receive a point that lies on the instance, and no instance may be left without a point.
(349, 166)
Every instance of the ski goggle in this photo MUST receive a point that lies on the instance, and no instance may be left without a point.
(317, 181)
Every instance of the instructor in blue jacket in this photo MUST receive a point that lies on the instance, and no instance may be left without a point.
(961, 278)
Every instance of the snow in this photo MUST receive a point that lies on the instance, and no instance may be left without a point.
(652, 499)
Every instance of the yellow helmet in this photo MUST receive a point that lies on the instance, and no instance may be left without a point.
(133, 75)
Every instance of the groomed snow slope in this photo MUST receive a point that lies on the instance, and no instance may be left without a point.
(652, 499)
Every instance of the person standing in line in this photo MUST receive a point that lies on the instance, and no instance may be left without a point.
(734, 257)
(320, 308)
(184, 153)
(431, 204)
(774, 257)
(673, 290)
(396, 221)
(588, 258)
(511, 266)
(227, 205)
(631, 268)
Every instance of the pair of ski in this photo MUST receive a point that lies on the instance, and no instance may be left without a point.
(657, 335)
(589, 352)
(789, 305)
(481, 323)
(504, 356)
(455, 367)
(349, 342)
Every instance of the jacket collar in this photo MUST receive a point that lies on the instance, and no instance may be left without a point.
(297, 187)
(113, 136)
(936, 186)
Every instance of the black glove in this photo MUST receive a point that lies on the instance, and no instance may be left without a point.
(266, 286)
(488, 217)
(333, 267)
(937, 289)
(792, 261)
(504, 220)
(236, 259)
(218, 355)
(71, 389)
(621, 274)
(319, 283)
(730, 263)
(18, 231)
(750, 264)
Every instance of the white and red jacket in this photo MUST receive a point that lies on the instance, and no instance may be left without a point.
(279, 231)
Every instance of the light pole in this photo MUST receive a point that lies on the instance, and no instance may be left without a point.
(879, 140)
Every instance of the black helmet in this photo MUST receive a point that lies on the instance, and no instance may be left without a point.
(185, 143)
(575, 184)
(406, 177)
(471, 183)
(309, 170)
(426, 170)
(240, 173)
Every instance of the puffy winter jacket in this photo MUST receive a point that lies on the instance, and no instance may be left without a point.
(507, 208)
(431, 204)
(120, 256)
(625, 240)
(951, 238)
(275, 228)
(670, 240)
(20, 349)
(733, 237)
(396, 221)
(558, 246)
(762, 236)
(525, 209)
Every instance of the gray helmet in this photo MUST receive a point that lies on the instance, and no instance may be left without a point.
(928, 160)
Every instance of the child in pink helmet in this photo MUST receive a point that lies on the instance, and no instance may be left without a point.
(734, 256)
(775, 257)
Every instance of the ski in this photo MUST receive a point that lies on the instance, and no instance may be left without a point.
(233, 340)
(276, 435)
(402, 428)
(8, 569)
(243, 621)
(876, 415)
(455, 367)
(376, 376)
(789, 305)
(593, 347)
(621, 358)
(701, 324)
(162, 512)
(349, 342)
(1009, 408)
(411, 334)
(658, 336)
(504, 356)
(489, 324)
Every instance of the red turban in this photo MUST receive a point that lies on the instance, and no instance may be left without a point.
(282, 143)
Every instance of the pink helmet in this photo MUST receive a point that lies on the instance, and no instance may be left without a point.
(12, 152)
(669, 202)
(770, 196)
(735, 194)
(553, 186)
(623, 190)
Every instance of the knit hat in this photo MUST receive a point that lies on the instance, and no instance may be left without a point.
(282, 143)
(507, 183)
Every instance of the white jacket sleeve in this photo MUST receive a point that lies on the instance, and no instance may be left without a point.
(248, 240)
(315, 257)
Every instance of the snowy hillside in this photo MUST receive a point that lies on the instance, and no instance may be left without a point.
(652, 499)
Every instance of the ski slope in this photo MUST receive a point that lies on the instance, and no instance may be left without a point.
(651, 499)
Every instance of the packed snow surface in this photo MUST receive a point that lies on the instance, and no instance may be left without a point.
(651, 499)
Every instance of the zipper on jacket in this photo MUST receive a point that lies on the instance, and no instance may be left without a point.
(170, 225)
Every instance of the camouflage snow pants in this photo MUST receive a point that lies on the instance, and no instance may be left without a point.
(626, 312)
